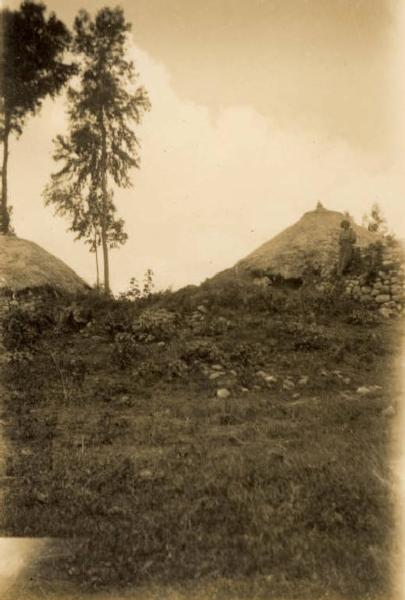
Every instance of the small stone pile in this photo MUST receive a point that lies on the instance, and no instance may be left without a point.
(387, 291)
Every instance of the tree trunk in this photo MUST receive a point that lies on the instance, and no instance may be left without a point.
(104, 246)
(4, 216)
(104, 194)
(97, 267)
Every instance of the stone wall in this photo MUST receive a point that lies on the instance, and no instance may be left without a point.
(4, 304)
(386, 291)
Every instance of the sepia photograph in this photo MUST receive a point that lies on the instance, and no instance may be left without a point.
(202, 300)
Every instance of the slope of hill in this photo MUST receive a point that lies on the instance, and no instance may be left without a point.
(25, 265)
(225, 438)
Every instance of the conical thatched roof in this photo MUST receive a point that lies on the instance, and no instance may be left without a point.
(312, 240)
(25, 265)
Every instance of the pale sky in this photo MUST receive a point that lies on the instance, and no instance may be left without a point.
(260, 108)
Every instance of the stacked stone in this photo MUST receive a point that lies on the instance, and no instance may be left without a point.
(3, 307)
(387, 292)
(3, 311)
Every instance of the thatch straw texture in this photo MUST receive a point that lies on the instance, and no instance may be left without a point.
(25, 265)
(314, 239)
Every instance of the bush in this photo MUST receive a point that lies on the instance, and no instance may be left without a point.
(310, 338)
(75, 316)
(248, 355)
(363, 317)
(135, 292)
(157, 323)
(202, 350)
(118, 319)
(125, 349)
(23, 326)
(367, 261)
(329, 300)
(220, 325)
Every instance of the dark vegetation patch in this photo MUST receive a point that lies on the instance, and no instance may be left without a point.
(119, 441)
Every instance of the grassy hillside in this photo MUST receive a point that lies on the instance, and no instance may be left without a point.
(228, 437)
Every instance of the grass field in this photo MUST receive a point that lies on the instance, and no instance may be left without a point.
(119, 441)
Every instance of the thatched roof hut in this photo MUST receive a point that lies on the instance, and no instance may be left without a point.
(26, 266)
(313, 240)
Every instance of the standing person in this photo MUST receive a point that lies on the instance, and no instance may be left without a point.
(347, 240)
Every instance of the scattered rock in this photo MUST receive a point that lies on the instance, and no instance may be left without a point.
(288, 384)
(202, 309)
(217, 368)
(223, 393)
(364, 390)
(262, 281)
(245, 390)
(304, 380)
(382, 298)
(389, 411)
(146, 474)
(41, 497)
(27, 452)
(215, 375)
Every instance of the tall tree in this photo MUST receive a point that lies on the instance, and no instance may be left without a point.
(101, 147)
(375, 220)
(32, 48)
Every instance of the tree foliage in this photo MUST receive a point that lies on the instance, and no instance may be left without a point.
(32, 68)
(101, 147)
(375, 220)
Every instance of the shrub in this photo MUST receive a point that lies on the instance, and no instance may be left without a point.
(135, 292)
(156, 322)
(202, 350)
(363, 317)
(117, 320)
(75, 316)
(175, 369)
(125, 349)
(367, 261)
(304, 336)
(220, 325)
(248, 354)
(149, 371)
(329, 300)
(23, 326)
